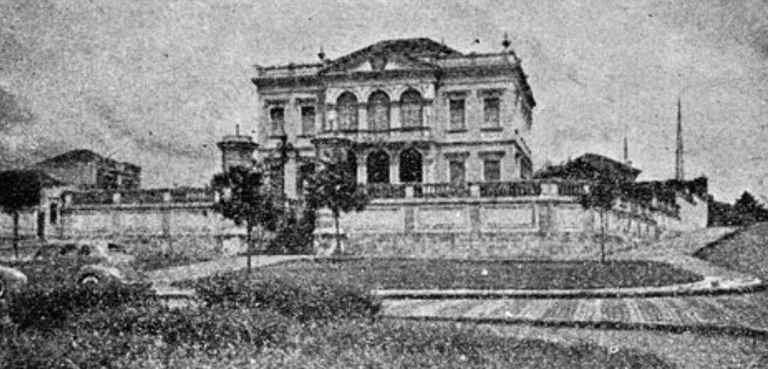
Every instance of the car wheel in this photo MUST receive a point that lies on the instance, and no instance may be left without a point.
(3, 288)
(90, 279)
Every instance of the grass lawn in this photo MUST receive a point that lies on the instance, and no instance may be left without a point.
(294, 325)
(378, 273)
(746, 251)
(156, 261)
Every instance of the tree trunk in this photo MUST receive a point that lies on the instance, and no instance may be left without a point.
(16, 233)
(602, 236)
(248, 243)
(338, 236)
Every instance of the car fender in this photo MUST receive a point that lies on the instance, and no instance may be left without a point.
(13, 279)
(104, 272)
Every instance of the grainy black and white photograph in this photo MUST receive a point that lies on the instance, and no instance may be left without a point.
(383, 184)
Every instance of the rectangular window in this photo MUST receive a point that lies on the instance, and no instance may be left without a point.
(306, 172)
(457, 113)
(492, 170)
(491, 109)
(53, 212)
(307, 120)
(526, 169)
(277, 121)
(457, 172)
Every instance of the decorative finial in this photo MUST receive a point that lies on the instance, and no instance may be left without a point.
(506, 43)
(321, 54)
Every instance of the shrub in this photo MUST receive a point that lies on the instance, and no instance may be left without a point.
(70, 349)
(295, 236)
(210, 329)
(300, 298)
(119, 336)
(46, 308)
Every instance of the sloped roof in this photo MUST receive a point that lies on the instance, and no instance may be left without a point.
(80, 155)
(45, 178)
(591, 167)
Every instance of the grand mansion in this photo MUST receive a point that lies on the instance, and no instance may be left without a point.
(407, 111)
(436, 137)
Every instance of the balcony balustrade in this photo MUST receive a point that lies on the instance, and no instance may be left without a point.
(510, 189)
(440, 190)
(389, 135)
(141, 197)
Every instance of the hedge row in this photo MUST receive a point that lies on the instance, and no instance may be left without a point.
(299, 298)
(46, 308)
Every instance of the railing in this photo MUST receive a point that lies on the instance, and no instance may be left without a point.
(385, 191)
(509, 189)
(440, 190)
(91, 197)
(138, 197)
(572, 188)
(193, 195)
(142, 197)
(391, 134)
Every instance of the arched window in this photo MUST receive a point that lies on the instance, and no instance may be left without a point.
(411, 108)
(410, 166)
(378, 111)
(377, 165)
(346, 107)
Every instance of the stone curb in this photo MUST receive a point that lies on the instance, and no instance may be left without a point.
(615, 325)
(707, 286)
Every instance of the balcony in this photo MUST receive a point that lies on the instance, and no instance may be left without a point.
(390, 135)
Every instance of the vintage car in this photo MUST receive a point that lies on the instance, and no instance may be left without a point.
(97, 261)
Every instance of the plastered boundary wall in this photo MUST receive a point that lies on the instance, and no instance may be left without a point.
(519, 227)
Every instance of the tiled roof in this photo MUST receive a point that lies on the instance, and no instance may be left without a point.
(80, 155)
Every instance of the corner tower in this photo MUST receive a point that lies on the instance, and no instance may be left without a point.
(236, 150)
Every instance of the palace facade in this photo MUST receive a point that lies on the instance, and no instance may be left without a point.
(407, 111)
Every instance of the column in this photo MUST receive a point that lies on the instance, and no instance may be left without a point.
(362, 169)
(394, 167)
(362, 117)
(290, 172)
(394, 115)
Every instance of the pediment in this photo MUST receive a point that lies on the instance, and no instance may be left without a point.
(410, 54)
(380, 63)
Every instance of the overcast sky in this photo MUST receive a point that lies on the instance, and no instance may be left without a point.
(157, 83)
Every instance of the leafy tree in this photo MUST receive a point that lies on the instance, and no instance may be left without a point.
(248, 202)
(334, 186)
(21, 189)
(601, 196)
(748, 210)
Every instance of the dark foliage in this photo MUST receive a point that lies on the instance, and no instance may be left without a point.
(46, 308)
(249, 202)
(21, 189)
(301, 298)
(334, 187)
(295, 235)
